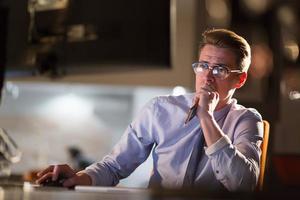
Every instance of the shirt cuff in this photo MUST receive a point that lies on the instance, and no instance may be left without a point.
(222, 142)
(91, 174)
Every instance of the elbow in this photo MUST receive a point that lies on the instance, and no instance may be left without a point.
(249, 181)
(243, 181)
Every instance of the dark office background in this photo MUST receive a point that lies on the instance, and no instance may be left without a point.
(92, 35)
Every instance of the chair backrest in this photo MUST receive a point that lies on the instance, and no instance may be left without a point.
(263, 159)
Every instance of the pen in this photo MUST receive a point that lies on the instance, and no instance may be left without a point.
(192, 112)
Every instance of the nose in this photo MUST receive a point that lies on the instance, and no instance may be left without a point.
(208, 75)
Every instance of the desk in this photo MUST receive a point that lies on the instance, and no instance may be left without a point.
(27, 192)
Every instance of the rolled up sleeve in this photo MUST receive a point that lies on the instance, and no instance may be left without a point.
(235, 162)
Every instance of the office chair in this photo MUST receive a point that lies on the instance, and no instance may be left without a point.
(263, 159)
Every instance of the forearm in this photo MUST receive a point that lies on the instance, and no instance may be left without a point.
(233, 169)
(235, 166)
(210, 128)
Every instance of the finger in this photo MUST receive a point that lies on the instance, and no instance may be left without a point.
(44, 177)
(80, 178)
(217, 95)
(212, 95)
(204, 93)
(56, 170)
(195, 100)
(67, 170)
(45, 171)
(206, 89)
(202, 90)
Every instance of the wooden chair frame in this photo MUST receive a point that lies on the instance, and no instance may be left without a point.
(263, 158)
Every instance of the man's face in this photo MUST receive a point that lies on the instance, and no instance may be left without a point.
(225, 87)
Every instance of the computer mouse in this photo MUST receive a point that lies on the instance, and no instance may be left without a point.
(57, 183)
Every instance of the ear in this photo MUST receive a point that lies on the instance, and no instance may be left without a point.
(242, 79)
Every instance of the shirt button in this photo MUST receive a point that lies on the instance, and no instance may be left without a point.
(217, 171)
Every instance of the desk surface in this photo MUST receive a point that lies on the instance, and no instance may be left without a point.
(28, 191)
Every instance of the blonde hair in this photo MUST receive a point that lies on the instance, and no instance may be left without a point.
(224, 38)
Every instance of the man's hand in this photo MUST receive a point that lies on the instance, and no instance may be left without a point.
(208, 100)
(53, 171)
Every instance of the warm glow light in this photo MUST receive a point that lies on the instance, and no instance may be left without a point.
(218, 11)
(41, 5)
(286, 16)
(261, 61)
(294, 95)
(291, 50)
(216, 8)
(257, 6)
(179, 90)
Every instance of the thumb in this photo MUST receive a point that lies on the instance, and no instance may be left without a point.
(195, 100)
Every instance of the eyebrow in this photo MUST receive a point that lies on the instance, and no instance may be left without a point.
(219, 64)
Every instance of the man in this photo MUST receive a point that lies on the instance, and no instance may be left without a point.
(224, 136)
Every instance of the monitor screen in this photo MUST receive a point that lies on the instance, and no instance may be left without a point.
(70, 36)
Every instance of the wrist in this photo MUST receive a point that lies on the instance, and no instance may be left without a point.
(205, 114)
(206, 117)
(85, 179)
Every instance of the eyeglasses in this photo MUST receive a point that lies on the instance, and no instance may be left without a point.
(218, 70)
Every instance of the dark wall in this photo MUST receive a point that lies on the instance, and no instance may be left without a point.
(115, 33)
(3, 23)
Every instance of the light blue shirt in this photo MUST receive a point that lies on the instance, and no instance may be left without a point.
(232, 162)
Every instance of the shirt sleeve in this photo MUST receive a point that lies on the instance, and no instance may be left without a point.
(235, 162)
(132, 149)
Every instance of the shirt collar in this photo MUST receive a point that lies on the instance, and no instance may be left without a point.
(219, 114)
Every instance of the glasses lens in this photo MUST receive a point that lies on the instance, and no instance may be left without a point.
(198, 67)
(201, 67)
(220, 72)
(217, 70)
(204, 66)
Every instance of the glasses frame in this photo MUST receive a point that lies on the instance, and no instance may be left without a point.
(212, 66)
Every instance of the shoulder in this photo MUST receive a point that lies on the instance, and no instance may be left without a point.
(242, 112)
(185, 99)
(170, 104)
(167, 102)
(243, 121)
